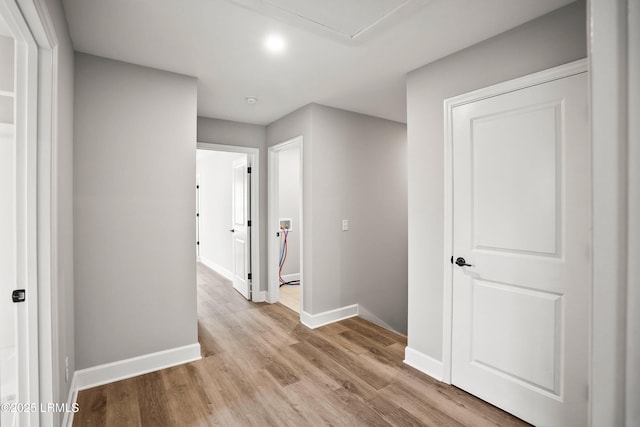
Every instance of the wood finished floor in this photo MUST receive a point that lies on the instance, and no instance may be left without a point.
(261, 367)
(290, 297)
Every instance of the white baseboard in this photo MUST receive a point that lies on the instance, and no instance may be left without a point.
(316, 320)
(290, 277)
(115, 371)
(226, 273)
(259, 296)
(111, 372)
(423, 363)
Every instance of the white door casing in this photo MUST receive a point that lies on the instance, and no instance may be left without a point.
(253, 158)
(35, 141)
(521, 217)
(241, 248)
(274, 222)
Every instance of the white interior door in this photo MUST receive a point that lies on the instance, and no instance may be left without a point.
(241, 247)
(8, 273)
(521, 203)
(198, 217)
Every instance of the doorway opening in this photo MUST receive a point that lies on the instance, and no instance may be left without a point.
(286, 283)
(227, 212)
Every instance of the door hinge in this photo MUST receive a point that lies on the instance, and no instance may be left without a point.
(19, 295)
(197, 243)
(249, 276)
(249, 223)
(249, 169)
(197, 214)
(197, 187)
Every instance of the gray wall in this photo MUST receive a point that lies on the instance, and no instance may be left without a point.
(227, 132)
(63, 203)
(215, 170)
(134, 156)
(359, 174)
(551, 40)
(6, 78)
(354, 168)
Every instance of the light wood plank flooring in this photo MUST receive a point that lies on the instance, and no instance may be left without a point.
(290, 297)
(261, 367)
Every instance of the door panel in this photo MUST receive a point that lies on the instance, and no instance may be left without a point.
(240, 229)
(521, 204)
(500, 346)
(8, 278)
(520, 194)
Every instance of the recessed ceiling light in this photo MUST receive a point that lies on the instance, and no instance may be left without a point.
(251, 99)
(274, 43)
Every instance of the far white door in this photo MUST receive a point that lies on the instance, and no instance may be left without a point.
(8, 276)
(198, 217)
(521, 220)
(241, 248)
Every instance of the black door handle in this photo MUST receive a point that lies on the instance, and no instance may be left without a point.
(462, 262)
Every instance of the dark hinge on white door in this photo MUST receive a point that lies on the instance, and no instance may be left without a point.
(19, 295)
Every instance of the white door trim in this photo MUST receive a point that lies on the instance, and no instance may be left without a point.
(545, 76)
(253, 157)
(36, 134)
(632, 371)
(273, 294)
(613, 46)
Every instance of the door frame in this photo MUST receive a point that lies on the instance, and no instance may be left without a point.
(613, 45)
(35, 129)
(565, 70)
(253, 159)
(273, 295)
(36, 95)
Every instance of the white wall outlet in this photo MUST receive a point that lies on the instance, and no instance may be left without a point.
(345, 225)
(285, 223)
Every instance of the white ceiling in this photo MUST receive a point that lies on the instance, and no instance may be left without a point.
(346, 18)
(221, 42)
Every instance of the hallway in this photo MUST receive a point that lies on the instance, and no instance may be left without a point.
(261, 367)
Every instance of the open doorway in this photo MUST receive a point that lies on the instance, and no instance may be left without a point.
(227, 238)
(285, 222)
